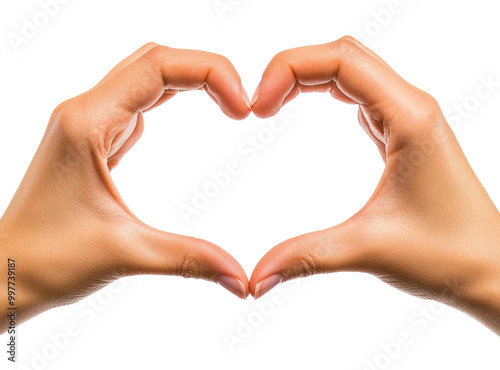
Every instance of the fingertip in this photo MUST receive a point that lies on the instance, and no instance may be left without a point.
(293, 258)
(236, 105)
(266, 284)
(244, 109)
(237, 115)
(246, 99)
(261, 111)
(256, 94)
(266, 100)
(233, 285)
(266, 274)
(244, 114)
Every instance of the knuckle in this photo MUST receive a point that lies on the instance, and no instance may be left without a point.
(157, 52)
(346, 47)
(431, 104)
(150, 45)
(281, 58)
(74, 119)
(222, 63)
(65, 115)
(222, 60)
(64, 111)
(189, 267)
(304, 263)
(427, 114)
(350, 39)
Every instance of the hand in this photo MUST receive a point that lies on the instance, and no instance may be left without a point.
(430, 228)
(67, 227)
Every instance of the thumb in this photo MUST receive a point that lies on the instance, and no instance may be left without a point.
(160, 253)
(341, 248)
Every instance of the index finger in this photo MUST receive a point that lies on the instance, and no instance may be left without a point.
(142, 83)
(346, 68)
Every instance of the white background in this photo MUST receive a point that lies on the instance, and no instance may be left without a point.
(315, 174)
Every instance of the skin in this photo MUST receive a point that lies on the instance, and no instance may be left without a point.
(429, 229)
(67, 227)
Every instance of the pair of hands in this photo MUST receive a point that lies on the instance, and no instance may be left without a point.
(429, 228)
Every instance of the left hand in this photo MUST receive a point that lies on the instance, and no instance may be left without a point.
(67, 227)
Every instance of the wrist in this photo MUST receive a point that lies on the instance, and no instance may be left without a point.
(18, 301)
(482, 299)
(484, 304)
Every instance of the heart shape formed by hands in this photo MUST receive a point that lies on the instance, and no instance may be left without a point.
(429, 228)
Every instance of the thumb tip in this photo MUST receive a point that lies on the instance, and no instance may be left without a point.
(266, 284)
(234, 285)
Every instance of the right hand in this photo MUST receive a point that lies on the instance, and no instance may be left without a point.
(430, 228)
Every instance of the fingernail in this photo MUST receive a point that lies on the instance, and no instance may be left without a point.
(255, 95)
(234, 285)
(245, 97)
(266, 285)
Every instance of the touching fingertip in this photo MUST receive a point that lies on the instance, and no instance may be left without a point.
(265, 285)
(255, 95)
(246, 99)
(233, 285)
(254, 100)
(264, 112)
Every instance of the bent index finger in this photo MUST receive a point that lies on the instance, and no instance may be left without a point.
(343, 65)
(142, 83)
